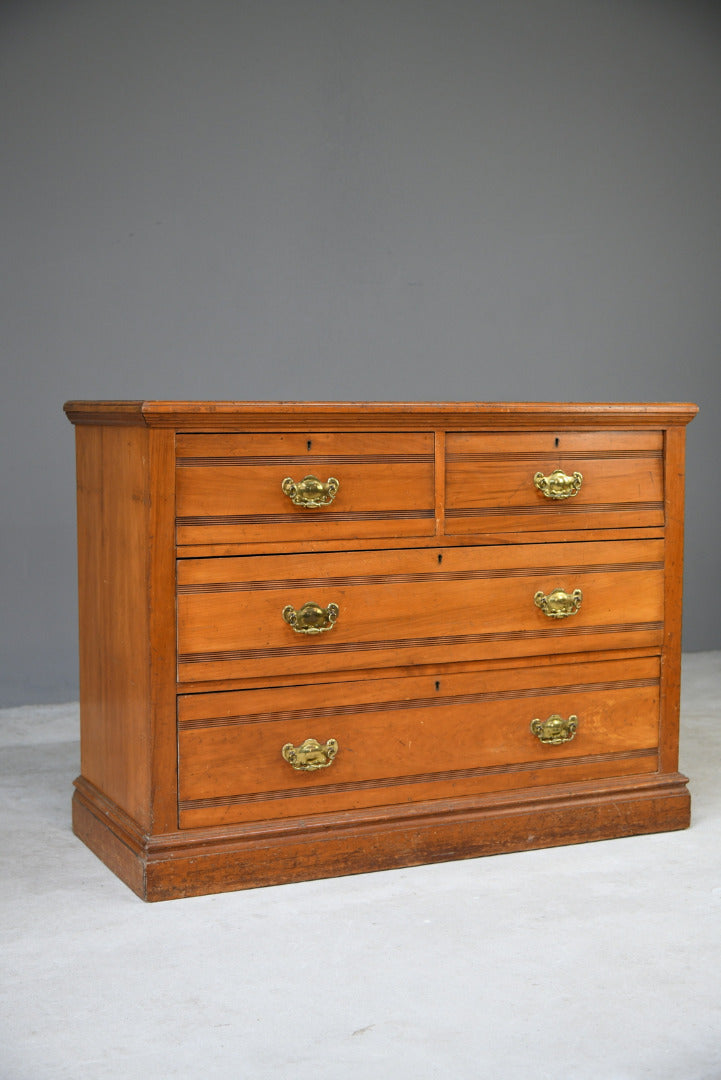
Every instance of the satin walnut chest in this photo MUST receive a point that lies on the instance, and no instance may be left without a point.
(325, 638)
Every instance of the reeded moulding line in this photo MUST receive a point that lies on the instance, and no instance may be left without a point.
(580, 455)
(411, 579)
(443, 700)
(418, 778)
(284, 460)
(548, 508)
(406, 643)
(314, 516)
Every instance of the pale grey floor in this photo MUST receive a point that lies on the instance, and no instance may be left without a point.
(599, 961)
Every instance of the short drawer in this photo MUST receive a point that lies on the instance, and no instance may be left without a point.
(536, 481)
(249, 488)
(257, 616)
(412, 739)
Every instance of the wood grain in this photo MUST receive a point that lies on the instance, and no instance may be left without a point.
(490, 480)
(460, 731)
(673, 598)
(285, 416)
(409, 600)
(127, 619)
(193, 862)
(113, 557)
(229, 487)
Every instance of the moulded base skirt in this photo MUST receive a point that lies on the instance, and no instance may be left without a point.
(223, 859)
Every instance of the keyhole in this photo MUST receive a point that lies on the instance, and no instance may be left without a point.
(557, 440)
(310, 443)
(440, 558)
(438, 685)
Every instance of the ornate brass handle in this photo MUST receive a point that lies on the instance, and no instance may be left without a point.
(558, 485)
(310, 755)
(555, 730)
(310, 492)
(558, 604)
(311, 618)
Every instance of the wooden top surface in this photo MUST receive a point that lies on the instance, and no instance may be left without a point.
(378, 415)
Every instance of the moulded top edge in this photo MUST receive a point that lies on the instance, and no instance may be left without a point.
(226, 415)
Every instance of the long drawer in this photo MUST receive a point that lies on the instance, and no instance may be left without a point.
(253, 616)
(392, 740)
(247, 488)
(530, 481)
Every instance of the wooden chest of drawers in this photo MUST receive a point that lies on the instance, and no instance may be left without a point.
(321, 639)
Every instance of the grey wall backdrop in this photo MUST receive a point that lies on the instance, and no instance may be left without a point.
(382, 199)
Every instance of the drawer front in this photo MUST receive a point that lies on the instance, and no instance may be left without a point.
(412, 739)
(241, 617)
(230, 488)
(586, 480)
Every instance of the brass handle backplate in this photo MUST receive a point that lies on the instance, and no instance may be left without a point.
(558, 604)
(310, 755)
(311, 618)
(558, 485)
(310, 492)
(555, 730)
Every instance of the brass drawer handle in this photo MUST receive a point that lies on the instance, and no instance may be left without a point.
(558, 485)
(555, 730)
(310, 492)
(311, 618)
(558, 604)
(310, 755)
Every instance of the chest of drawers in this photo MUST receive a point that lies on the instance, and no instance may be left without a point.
(326, 638)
